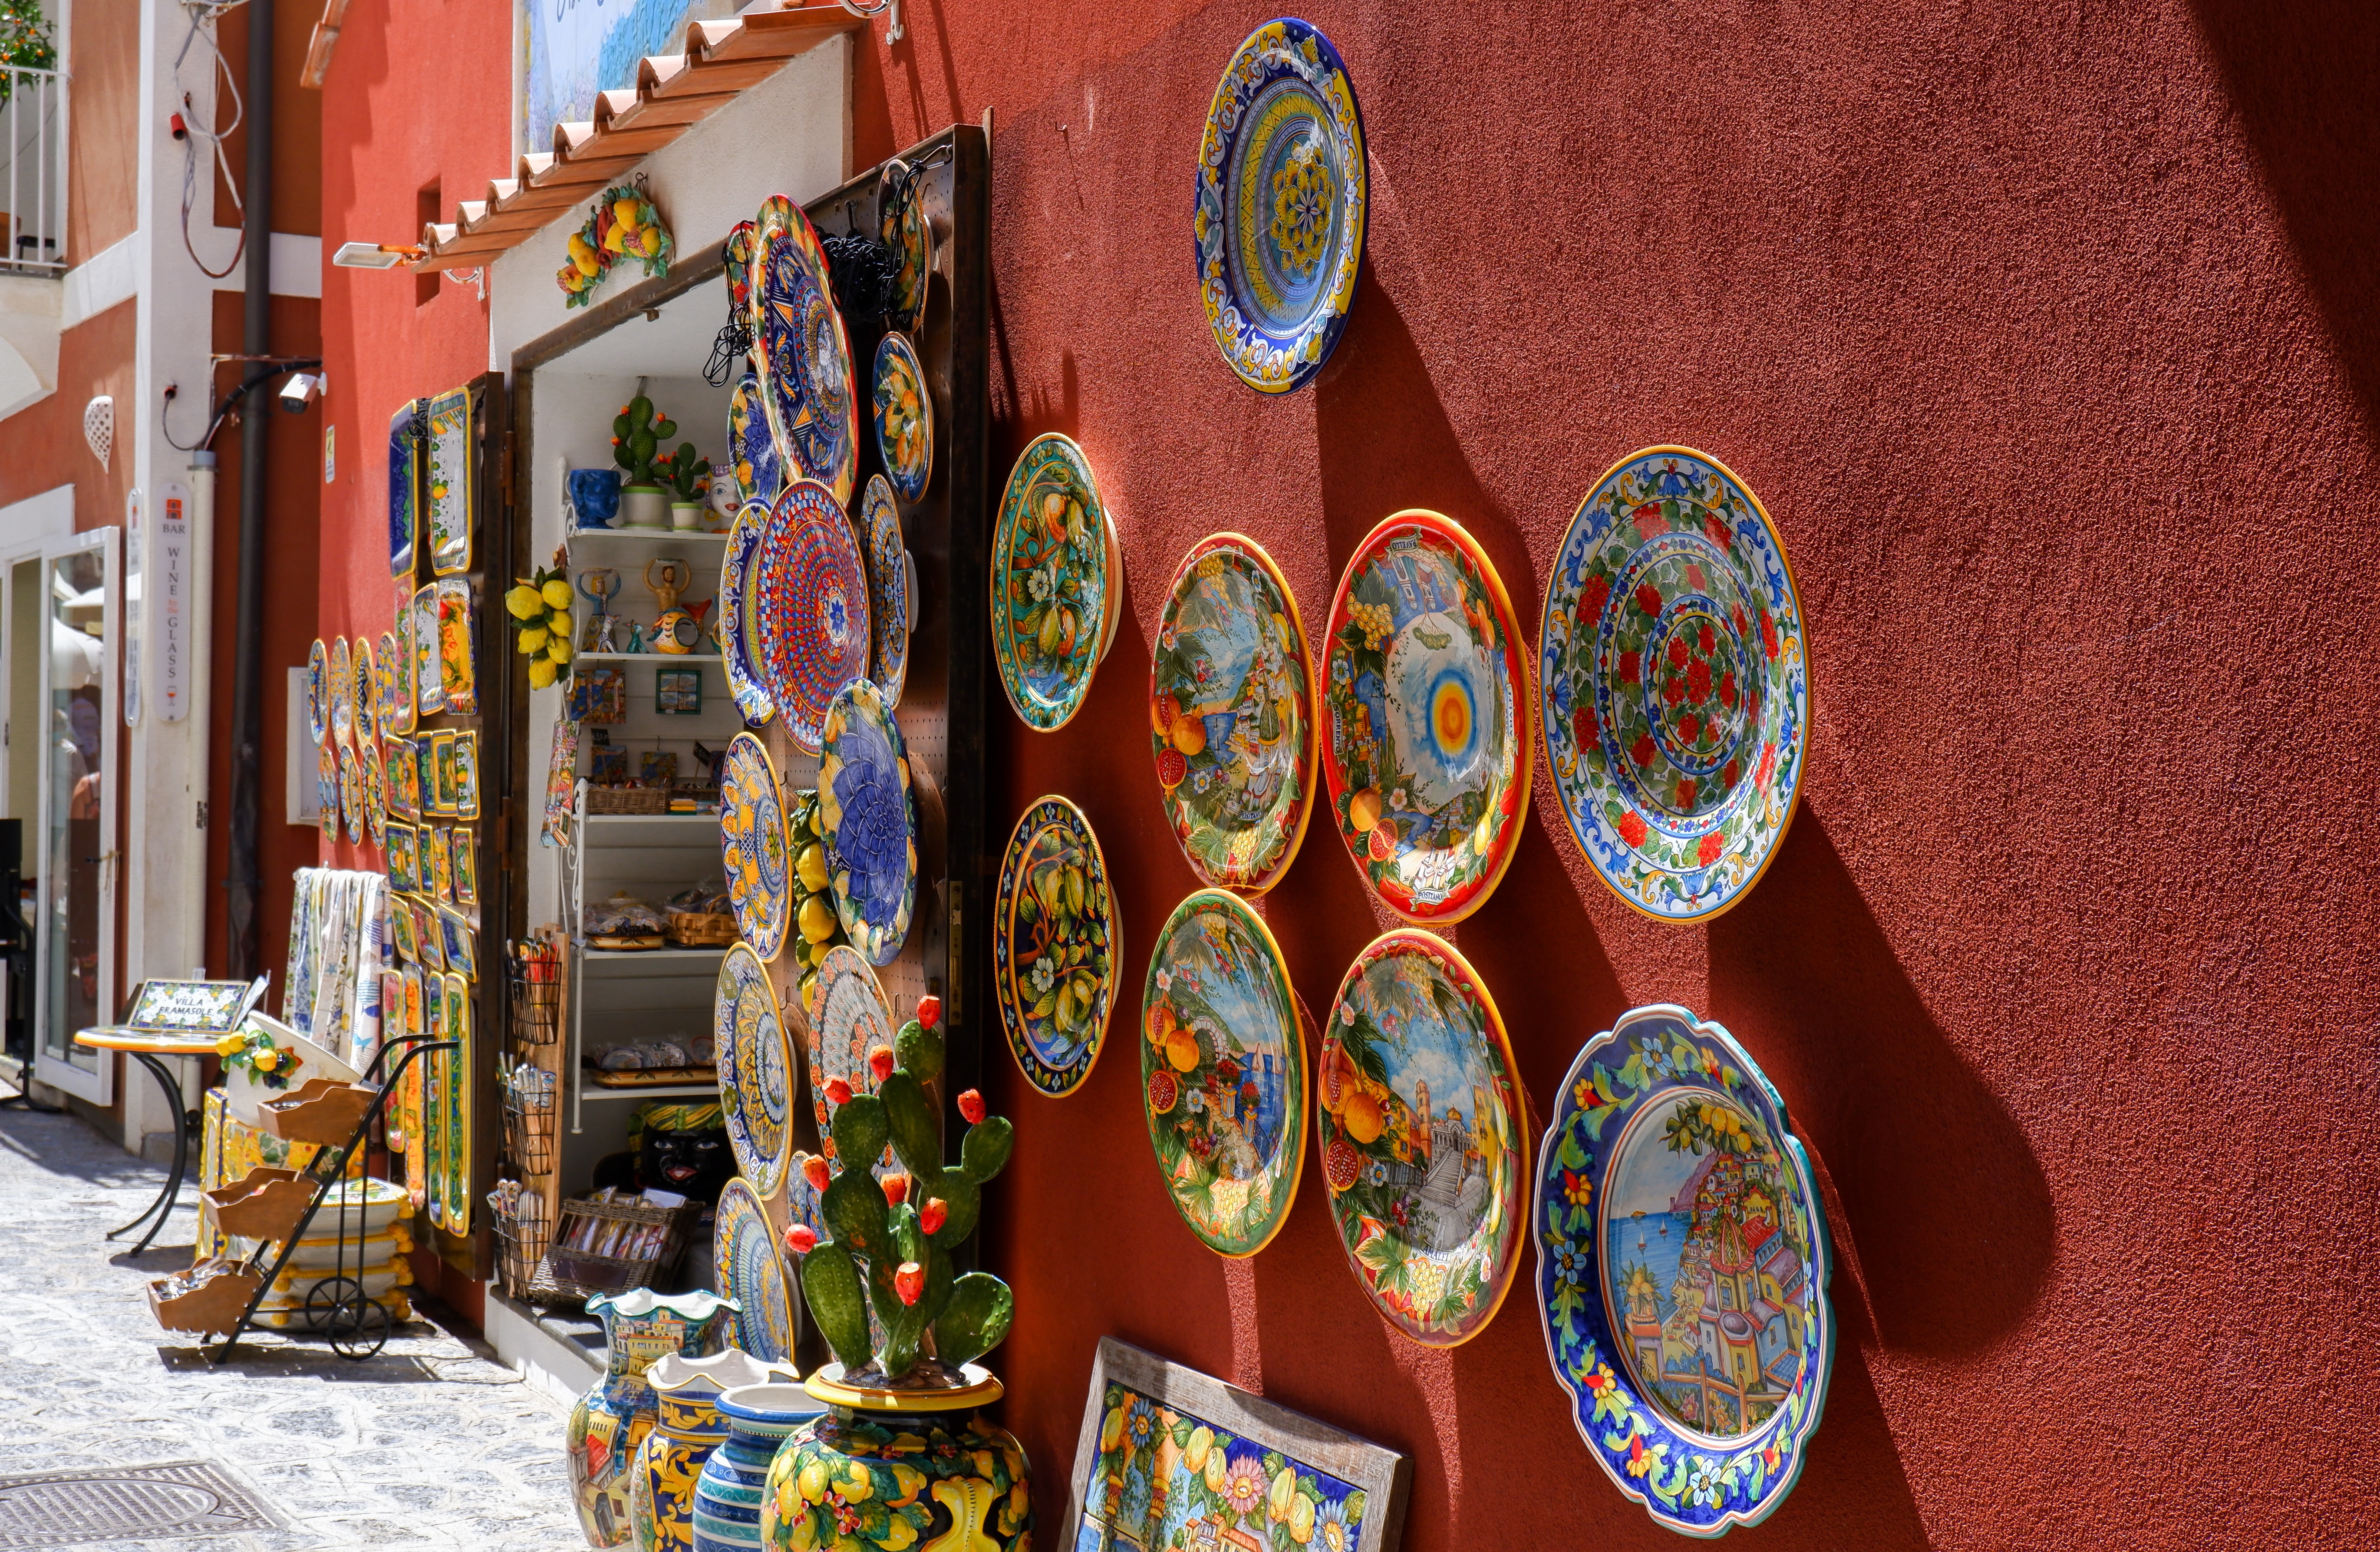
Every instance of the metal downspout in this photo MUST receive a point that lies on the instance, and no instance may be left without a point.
(247, 729)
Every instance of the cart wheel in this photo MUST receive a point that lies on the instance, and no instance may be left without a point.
(323, 1299)
(360, 1327)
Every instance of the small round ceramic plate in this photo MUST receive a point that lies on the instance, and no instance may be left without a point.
(752, 845)
(1278, 226)
(1053, 936)
(342, 693)
(888, 590)
(737, 636)
(905, 418)
(366, 671)
(801, 349)
(849, 1017)
(1427, 754)
(759, 474)
(756, 1070)
(351, 792)
(1231, 714)
(375, 777)
(806, 607)
(326, 789)
(869, 821)
(752, 1271)
(1676, 684)
(906, 231)
(1681, 1271)
(1048, 582)
(1423, 1127)
(317, 691)
(1222, 1069)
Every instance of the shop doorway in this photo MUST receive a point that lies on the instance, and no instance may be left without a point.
(67, 730)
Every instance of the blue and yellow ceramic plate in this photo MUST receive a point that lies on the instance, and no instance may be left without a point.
(376, 776)
(756, 1070)
(367, 672)
(905, 419)
(849, 1017)
(342, 693)
(326, 789)
(745, 681)
(803, 354)
(759, 474)
(452, 462)
(751, 1270)
(869, 821)
(317, 691)
(752, 845)
(1281, 199)
(738, 251)
(394, 685)
(1676, 684)
(351, 793)
(806, 610)
(1054, 937)
(1049, 582)
(888, 589)
(1681, 1271)
(404, 490)
(909, 234)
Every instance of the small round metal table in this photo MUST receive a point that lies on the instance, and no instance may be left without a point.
(148, 1048)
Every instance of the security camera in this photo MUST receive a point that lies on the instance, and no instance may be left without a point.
(302, 389)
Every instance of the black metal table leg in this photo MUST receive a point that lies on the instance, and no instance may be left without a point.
(162, 1208)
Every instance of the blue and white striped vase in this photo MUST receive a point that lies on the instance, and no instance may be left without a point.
(727, 1497)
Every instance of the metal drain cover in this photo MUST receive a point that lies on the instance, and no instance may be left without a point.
(124, 1503)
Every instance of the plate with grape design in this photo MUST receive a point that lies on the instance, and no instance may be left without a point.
(752, 845)
(806, 607)
(869, 822)
(1683, 1262)
(1278, 222)
(889, 614)
(1676, 684)
(738, 638)
(1427, 746)
(1049, 582)
(1053, 933)
(803, 354)
(905, 418)
(755, 1070)
(744, 1248)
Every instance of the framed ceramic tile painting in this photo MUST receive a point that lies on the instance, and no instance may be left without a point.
(1232, 1462)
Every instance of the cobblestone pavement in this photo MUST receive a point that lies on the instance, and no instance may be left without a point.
(432, 1444)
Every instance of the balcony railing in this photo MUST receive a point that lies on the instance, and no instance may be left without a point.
(33, 189)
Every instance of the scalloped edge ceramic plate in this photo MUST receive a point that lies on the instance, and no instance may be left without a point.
(317, 691)
(752, 816)
(1012, 591)
(808, 521)
(342, 693)
(842, 975)
(793, 405)
(738, 618)
(859, 706)
(1011, 981)
(744, 1074)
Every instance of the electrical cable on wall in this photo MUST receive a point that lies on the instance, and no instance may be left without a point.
(204, 14)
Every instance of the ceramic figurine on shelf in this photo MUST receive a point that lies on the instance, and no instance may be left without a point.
(675, 630)
(613, 1418)
(599, 585)
(638, 433)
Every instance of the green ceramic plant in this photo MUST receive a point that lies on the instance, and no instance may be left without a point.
(891, 1240)
(636, 438)
(688, 476)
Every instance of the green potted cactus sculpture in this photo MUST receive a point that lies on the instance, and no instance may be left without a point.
(899, 1442)
(689, 478)
(637, 436)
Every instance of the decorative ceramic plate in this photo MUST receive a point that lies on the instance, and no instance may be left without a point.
(1279, 224)
(351, 793)
(1428, 755)
(453, 457)
(1222, 1069)
(869, 821)
(738, 252)
(1048, 582)
(326, 789)
(755, 1070)
(1423, 1130)
(801, 351)
(376, 776)
(367, 697)
(1231, 714)
(1681, 1271)
(342, 693)
(744, 1248)
(888, 590)
(759, 474)
(404, 779)
(849, 1017)
(404, 490)
(905, 418)
(906, 231)
(456, 672)
(752, 845)
(1676, 684)
(806, 607)
(392, 686)
(429, 684)
(745, 680)
(317, 691)
(1054, 937)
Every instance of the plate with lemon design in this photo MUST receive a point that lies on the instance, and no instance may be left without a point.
(752, 846)
(1053, 938)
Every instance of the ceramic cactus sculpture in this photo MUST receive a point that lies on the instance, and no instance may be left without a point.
(636, 439)
(893, 1239)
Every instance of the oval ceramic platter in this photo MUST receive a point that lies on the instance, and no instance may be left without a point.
(366, 671)
(737, 634)
(395, 686)
(375, 779)
(744, 1248)
(317, 691)
(1049, 580)
(326, 789)
(429, 676)
(1222, 1064)
(803, 354)
(849, 1017)
(1423, 1130)
(1676, 684)
(351, 793)
(756, 1070)
(1231, 714)
(908, 233)
(752, 845)
(889, 614)
(1683, 1262)
(1054, 936)
(806, 608)
(1278, 224)
(869, 821)
(905, 418)
(1429, 753)
(343, 693)
(759, 474)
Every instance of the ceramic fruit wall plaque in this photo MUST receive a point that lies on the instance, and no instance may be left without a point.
(807, 597)
(737, 621)
(1231, 714)
(802, 352)
(317, 691)
(1054, 936)
(1423, 1130)
(1050, 581)
(1683, 1262)
(752, 845)
(751, 1268)
(1278, 224)
(905, 418)
(755, 1070)
(906, 230)
(752, 446)
(888, 590)
(1676, 683)
(868, 820)
(1223, 1076)
(1427, 752)
(452, 478)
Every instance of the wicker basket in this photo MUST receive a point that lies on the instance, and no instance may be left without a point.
(691, 929)
(627, 799)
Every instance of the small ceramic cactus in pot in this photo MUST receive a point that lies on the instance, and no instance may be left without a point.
(638, 435)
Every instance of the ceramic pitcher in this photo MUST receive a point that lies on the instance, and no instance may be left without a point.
(686, 1428)
(612, 1419)
(727, 1498)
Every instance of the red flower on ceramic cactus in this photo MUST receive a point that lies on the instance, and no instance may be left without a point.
(815, 1170)
(929, 1012)
(909, 1282)
(838, 1091)
(934, 1214)
(896, 1189)
(879, 1062)
(971, 1106)
(801, 1239)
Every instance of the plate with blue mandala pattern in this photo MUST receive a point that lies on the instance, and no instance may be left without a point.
(737, 638)
(755, 1070)
(805, 597)
(759, 474)
(888, 589)
(752, 1270)
(1281, 199)
(869, 821)
(803, 354)
(1675, 682)
(905, 418)
(1682, 1262)
(752, 845)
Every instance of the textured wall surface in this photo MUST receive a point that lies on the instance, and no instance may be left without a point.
(2050, 335)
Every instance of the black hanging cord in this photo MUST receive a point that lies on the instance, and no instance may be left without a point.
(735, 340)
(864, 273)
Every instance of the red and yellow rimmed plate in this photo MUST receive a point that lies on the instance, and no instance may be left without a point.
(806, 607)
(801, 351)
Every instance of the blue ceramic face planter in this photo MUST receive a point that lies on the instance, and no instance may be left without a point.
(594, 498)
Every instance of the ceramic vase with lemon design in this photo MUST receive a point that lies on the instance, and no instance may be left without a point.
(859, 1479)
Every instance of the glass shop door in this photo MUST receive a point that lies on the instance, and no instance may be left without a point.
(75, 720)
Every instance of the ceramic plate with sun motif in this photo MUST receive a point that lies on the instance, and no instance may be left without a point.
(1054, 936)
(806, 607)
(868, 820)
(803, 354)
(755, 1070)
(1676, 683)
(905, 418)
(1049, 581)
(737, 638)
(1427, 745)
(752, 846)
(1682, 1262)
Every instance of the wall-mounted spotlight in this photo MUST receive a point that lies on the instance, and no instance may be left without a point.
(302, 389)
(376, 255)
